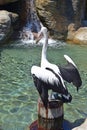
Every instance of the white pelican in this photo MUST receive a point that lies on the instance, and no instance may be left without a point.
(50, 76)
(46, 79)
(68, 72)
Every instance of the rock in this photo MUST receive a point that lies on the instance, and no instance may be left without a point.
(57, 15)
(78, 36)
(71, 32)
(5, 23)
(6, 20)
(2, 2)
(28, 15)
(52, 18)
(81, 127)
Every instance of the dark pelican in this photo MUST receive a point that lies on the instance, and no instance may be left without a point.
(50, 76)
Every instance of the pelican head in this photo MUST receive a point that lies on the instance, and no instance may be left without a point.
(43, 32)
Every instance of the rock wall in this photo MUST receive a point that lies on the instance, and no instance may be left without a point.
(58, 14)
(28, 16)
(2, 2)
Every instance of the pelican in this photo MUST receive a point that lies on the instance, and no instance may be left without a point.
(46, 79)
(68, 72)
(50, 76)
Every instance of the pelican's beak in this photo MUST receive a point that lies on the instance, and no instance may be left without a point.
(39, 33)
(39, 37)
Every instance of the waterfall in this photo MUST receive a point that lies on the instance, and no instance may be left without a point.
(31, 24)
(29, 19)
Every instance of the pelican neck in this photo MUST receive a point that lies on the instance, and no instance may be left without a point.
(44, 48)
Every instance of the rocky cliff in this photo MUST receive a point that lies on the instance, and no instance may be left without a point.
(58, 14)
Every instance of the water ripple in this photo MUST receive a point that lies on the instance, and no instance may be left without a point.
(18, 95)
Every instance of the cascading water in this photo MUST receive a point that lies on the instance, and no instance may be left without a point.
(31, 24)
(30, 21)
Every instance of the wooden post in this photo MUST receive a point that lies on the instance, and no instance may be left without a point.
(52, 118)
(54, 110)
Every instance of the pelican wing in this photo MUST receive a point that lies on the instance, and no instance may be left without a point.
(70, 72)
(48, 79)
(43, 91)
(44, 75)
(69, 60)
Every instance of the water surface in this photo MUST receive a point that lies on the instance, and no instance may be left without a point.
(18, 96)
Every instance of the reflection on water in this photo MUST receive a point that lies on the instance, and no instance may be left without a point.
(0, 54)
(18, 96)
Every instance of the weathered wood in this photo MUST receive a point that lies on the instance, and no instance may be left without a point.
(50, 124)
(54, 110)
(50, 119)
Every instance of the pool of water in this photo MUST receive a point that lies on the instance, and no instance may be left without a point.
(18, 95)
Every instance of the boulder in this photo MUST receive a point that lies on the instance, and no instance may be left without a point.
(78, 36)
(50, 17)
(6, 20)
(81, 127)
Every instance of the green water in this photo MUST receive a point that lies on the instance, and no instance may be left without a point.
(18, 96)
